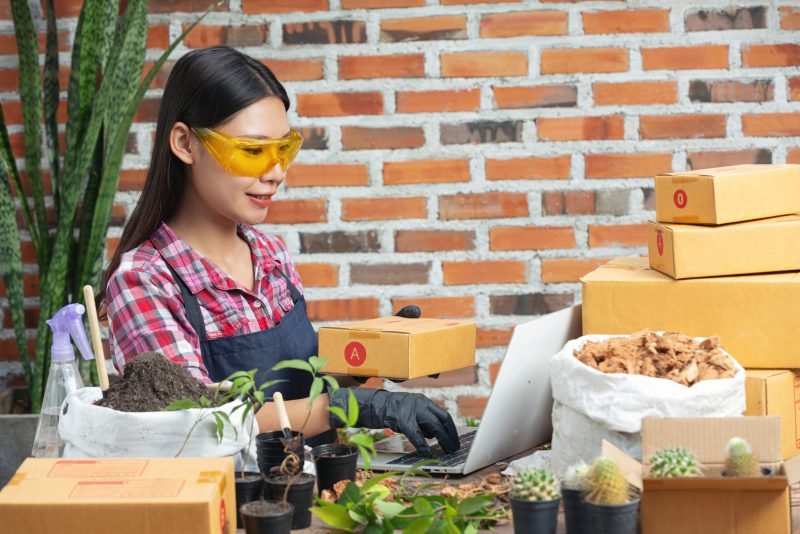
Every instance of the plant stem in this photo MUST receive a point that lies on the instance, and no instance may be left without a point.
(188, 434)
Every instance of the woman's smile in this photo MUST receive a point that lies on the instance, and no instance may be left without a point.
(262, 201)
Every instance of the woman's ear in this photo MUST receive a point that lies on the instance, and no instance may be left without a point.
(181, 142)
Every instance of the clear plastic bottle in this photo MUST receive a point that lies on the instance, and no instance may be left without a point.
(64, 377)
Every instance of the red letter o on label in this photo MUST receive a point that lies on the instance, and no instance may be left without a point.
(680, 198)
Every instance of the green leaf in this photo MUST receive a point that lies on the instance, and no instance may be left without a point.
(389, 509)
(316, 388)
(420, 526)
(51, 97)
(451, 528)
(316, 363)
(470, 529)
(352, 409)
(333, 384)
(338, 412)
(182, 404)
(422, 506)
(300, 365)
(334, 515)
(270, 383)
(377, 479)
(357, 517)
(472, 505)
(351, 494)
(219, 426)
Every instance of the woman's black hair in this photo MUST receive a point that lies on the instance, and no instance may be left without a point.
(205, 88)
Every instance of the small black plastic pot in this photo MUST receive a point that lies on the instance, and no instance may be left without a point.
(267, 517)
(539, 517)
(576, 512)
(614, 519)
(248, 489)
(301, 496)
(270, 448)
(334, 462)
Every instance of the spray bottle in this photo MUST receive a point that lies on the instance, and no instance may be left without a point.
(64, 377)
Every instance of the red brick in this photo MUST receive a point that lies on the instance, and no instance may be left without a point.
(339, 104)
(553, 203)
(460, 377)
(111, 246)
(568, 270)
(318, 274)
(777, 55)
(483, 206)
(472, 406)
(566, 60)
(295, 70)
(425, 171)
(493, 337)
(685, 57)
(283, 6)
(790, 18)
(771, 124)
(459, 2)
(424, 28)
(147, 110)
(541, 96)
(708, 160)
(793, 155)
(203, 36)
(522, 23)
(635, 93)
(389, 273)
(349, 309)
(373, 4)
(381, 209)
(12, 111)
(627, 165)
(531, 238)
(332, 174)
(158, 36)
(30, 286)
(8, 43)
(357, 137)
(484, 272)
(557, 168)
(433, 240)
(180, 6)
(439, 307)
(132, 180)
(391, 66)
(481, 64)
(437, 101)
(325, 32)
(9, 352)
(731, 91)
(628, 235)
(580, 202)
(627, 21)
(580, 128)
(732, 18)
(297, 211)
(794, 88)
(682, 126)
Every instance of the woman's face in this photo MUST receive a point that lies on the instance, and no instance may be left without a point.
(242, 199)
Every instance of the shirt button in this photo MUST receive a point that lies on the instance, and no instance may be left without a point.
(257, 304)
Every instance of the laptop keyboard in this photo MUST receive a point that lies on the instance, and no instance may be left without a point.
(452, 459)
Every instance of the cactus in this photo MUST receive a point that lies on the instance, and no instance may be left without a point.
(535, 484)
(606, 483)
(576, 477)
(672, 462)
(741, 462)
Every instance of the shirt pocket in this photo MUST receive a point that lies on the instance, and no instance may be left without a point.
(224, 322)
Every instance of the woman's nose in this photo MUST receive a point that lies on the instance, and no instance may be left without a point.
(275, 174)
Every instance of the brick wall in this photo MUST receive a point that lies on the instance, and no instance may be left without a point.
(478, 158)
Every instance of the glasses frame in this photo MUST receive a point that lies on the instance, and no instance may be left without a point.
(223, 147)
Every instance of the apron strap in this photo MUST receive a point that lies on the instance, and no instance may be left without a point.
(190, 304)
(293, 291)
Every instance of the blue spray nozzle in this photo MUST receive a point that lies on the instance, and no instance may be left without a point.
(66, 323)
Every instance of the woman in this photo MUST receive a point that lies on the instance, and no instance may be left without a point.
(194, 280)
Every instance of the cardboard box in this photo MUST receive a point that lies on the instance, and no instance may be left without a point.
(756, 317)
(727, 194)
(120, 495)
(396, 347)
(712, 503)
(777, 393)
(693, 251)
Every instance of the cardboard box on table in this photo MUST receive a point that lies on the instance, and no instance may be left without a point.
(693, 251)
(757, 317)
(712, 503)
(777, 392)
(727, 194)
(120, 495)
(396, 347)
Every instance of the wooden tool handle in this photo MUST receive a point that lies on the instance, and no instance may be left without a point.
(283, 417)
(97, 344)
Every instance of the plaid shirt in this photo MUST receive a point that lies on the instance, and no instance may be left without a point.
(146, 310)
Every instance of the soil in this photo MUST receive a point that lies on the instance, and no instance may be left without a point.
(673, 356)
(264, 508)
(150, 383)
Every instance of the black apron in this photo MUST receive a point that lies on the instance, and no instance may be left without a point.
(292, 338)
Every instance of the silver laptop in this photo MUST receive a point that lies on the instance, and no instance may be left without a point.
(517, 415)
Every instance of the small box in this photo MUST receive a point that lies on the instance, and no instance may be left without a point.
(776, 392)
(120, 495)
(693, 251)
(712, 503)
(396, 347)
(727, 194)
(755, 317)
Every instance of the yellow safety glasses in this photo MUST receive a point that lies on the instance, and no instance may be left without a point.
(242, 156)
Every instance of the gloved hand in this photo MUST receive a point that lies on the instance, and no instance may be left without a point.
(412, 414)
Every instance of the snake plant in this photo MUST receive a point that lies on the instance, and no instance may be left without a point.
(104, 91)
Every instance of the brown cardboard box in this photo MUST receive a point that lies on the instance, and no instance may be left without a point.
(727, 194)
(756, 317)
(777, 392)
(693, 251)
(120, 495)
(395, 347)
(712, 503)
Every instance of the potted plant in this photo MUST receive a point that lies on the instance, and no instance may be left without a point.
(573, 490)
(535, 496)
(267, 517)
(611, 507)
(674, 462)
(741, 462)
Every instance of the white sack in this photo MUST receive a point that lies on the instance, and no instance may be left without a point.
(91, 431)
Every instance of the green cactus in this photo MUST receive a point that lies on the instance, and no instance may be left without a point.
(672, 462)
(576, 477)
(535, 484)
(606, 483)
(741, 462)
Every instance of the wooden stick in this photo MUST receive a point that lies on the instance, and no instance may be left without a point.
(283, 417)
(97, 344)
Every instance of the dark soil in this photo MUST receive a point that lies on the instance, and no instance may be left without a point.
(265, 508)
(150, 383)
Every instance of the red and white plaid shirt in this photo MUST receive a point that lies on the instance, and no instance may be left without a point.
(146, 310)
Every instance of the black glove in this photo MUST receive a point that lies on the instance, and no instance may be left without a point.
(412, 414)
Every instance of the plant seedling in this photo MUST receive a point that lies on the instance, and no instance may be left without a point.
(741, 461)
(535, 484)
(672, 462)
(606, 483)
